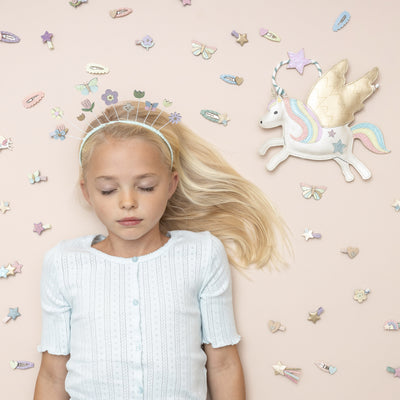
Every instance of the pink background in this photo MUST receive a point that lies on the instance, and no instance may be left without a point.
(349, 335)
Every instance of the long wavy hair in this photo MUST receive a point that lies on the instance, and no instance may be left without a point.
(211, 195)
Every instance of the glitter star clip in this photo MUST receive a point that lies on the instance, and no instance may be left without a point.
(291, 373)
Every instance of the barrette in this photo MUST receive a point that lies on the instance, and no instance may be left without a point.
(241, 38)
(186, 2)
(76, 3)
(200, 48)
(392, 325)
(291, 373)
(88, 87)
(35, 177)
(93, 68)
(395, 371)
(46, 37)
(4, 206)
(232, 79)
(309, 191)
(39, 228)
(10, 270)
(341, 21)
(120, 12)
(360, 295)
(275, 326)
(269, 35)
(5, 143)
(325, 367)
(215, 116)
(315, 316)
(350, 251)
(9, 37)
(396, 205)
(12, 314)
(21, 364)
(309, 234)
(59, 133)
(32, 99)
(147, 42)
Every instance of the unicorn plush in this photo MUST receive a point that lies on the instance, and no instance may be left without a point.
(319, 129)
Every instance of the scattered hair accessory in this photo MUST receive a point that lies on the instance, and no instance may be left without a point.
(35, 177)
(147, 42)
(341, 21)
(215, 116)
(205, 51)
(86, 88)
(395, 205)
(315, 316)
(4, 206)
(167, 103)
(93, 68)
(39, 228)
(391, 325)
(76, 3)
(56, 112)
(232, 79)
(293, 374)
(59, 133)
(325, 367)
(5, 143)
(308, 234)
(17, 267)
(269, 35)
(275, 326)
(46, 37)
(32, 99)
(12, 314)
(11, 269)
(395, 371)
(8, 37)
(312, 191)
(81, 117)
(299, 61)
(241, 38)
(360, 295)
(87, 105)
(120, 12)
(110, 97)
(4, 272)
(186, 2)
(350, 251)
(21, 364)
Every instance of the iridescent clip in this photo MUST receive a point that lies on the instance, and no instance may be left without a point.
(147, 42)
(120, 12)
(341, 21)
(291, 373)
(315, 316)
(360, 295)
(39, 228)
(215, 116)
(392, 325)
(8, 37)
(12, 314)
(395, 371)
(32, 99)
(93, 68)
(309, 234)
(36, 178)
(325, 367)
(5, 143)
(269, 35)
(21, 364)
(11, 269)
(232, 79)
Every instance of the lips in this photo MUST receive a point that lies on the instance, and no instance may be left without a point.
(129, 221)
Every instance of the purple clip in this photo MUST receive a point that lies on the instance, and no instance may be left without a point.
(21, 364)
(9, 37)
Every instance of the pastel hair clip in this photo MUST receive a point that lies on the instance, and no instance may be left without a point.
(232, 79)
(360, 295)
(350, 251)
(316, 315)
(275, 326)
(87, 105)
(5, 143)
(13, 313)
(76, 3)
(120, 12)
(241, 38)
(32, 99)
(201, 49)
(391, 325)
(292, 374)
(36, 178)
(4, 206)
(325, 367)
(266, 33)
(47, 38)
(215, 116)
(11, 269)
(93, 68)
(39, 228)
(341, 21)
(186, 2)
(309, 234)
(395, 371)
(396, 205)
(147, 42)
(8, 37)
(21, 364)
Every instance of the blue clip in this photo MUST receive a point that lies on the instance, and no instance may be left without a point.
(215, 116)
(233, 80)
(341, 21)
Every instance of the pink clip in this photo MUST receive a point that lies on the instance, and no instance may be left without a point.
(32, 99)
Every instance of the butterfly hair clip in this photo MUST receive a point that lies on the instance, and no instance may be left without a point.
(35, 177)
(312, 191)
(205, 51)
(86, 88)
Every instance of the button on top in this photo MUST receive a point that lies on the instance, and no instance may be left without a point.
(134, 259)
(135, 302)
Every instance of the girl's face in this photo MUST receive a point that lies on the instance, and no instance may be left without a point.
(128, 185)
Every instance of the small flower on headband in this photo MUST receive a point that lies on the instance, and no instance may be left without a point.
(128, 107)
(87, 105)
(56, 112)
(174, 117)
(110, 97)
(60, 132)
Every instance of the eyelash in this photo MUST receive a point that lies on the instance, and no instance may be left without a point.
(146, 189)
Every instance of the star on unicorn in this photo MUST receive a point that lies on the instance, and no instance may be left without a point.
(319, 129)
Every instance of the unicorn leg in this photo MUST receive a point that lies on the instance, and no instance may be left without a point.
(344, 165)
(359, 166)
(271, 143)
(277, 159)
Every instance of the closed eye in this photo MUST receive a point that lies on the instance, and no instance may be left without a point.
(107, 192)
(147, 189)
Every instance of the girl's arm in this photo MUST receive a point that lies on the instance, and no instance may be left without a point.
(224, 373)
(50, 383)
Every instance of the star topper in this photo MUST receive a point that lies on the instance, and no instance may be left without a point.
(298, 61)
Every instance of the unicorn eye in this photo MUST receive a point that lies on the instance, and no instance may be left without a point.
(275, 112)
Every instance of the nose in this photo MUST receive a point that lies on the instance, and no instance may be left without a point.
(128, 199)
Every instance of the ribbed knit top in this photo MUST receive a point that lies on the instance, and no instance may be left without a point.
(134, 326)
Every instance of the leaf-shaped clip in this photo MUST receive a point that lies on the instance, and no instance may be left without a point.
(32, 99)
(120, 12)
(93, 68)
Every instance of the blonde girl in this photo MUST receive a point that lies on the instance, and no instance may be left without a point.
(146, 311)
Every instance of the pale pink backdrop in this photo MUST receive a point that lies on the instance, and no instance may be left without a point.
(349, 335)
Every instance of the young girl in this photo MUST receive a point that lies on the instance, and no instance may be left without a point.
(146, 312)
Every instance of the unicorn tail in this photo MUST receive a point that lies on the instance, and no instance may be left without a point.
(371, 137)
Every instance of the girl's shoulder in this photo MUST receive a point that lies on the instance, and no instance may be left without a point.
(194, 237)
(71, 245)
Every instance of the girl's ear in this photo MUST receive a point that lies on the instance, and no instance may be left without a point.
(85, 191)
(173, 184)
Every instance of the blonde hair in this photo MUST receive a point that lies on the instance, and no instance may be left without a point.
(211, 195)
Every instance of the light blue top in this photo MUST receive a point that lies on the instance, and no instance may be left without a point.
(134, 326)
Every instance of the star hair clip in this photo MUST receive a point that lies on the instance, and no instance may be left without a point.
(4, 206)
(292, 374)
(11, 269)
(12, 314)
(39, 228)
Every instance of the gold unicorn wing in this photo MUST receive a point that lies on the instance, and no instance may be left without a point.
(334, 101)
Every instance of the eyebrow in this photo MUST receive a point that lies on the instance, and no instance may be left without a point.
(112, 178)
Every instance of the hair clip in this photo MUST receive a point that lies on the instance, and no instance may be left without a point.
(350, 251)
(5, 143)
(39, 228)
(93, 68)
(86, 88)
(269, 35)
(21, 364)
(233, 80)
(312, 191)
(11, 269)
(205, 51)
(395, 371)
(308, 234)
(341, 21)
(4, 206)
(275, 326)
(396, 205)
(35, 177)
(360, 295)
(32, 99)
(87, 105)
(215, 116)
(46, 37)
(12, 314)
(8, 37)
(241, 38)
(291, 373)
(76, 3)
(147, 42)
(120, 12)
(315, 316)
(325, 367)
(59, 133)
(186, 2)
(392, 325)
